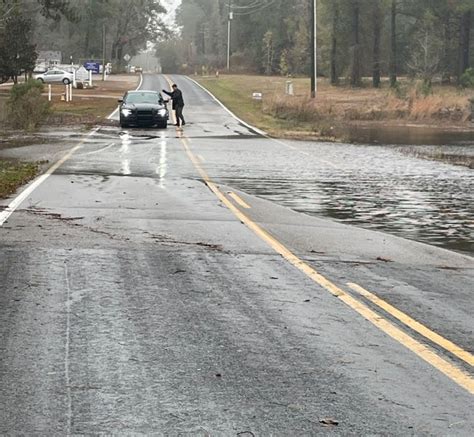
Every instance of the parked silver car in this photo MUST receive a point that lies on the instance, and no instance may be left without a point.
(55, 75)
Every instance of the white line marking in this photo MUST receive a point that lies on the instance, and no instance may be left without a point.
(257, 130)
(67, 376)
(15, 203)
(112, 114)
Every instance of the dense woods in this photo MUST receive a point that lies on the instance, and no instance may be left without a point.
(430, 39)
(357, 39)
(78, 29)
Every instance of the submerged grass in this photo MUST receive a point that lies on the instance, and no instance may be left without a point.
(14, 174)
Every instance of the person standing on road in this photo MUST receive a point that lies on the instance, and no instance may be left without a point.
(178, 104)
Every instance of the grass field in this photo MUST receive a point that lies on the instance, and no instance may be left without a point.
(15, 174)
(337, 108)
(88, 105)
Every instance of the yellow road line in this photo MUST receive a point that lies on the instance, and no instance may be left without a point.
(239, 200)
(459, 376)
(416, 326)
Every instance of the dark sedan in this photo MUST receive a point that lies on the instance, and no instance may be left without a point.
(143, 108)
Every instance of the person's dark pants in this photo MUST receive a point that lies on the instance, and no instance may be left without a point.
(179, 116)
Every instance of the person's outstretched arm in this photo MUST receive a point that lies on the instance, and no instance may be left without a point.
(168, 93)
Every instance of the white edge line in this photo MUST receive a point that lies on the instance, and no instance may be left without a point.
(255, 129)
(18, 200)
(35, 183)
(112, 114)
(259, 131)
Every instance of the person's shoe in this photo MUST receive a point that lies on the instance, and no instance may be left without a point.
(176, 124)
(184, 123)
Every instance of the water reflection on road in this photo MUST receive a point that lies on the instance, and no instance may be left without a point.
(376, 187)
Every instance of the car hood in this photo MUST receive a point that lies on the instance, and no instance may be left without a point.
(139, 106)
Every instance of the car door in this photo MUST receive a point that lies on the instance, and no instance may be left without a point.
(56, 76)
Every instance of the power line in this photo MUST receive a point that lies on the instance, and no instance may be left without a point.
(252, 5)
(242, 10)
(251, 8)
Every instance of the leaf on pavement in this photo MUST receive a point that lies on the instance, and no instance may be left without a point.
(329, 422)
(385, 260)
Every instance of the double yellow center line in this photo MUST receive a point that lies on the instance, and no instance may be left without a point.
(456, 374)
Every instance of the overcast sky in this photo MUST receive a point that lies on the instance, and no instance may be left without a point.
(170, 6)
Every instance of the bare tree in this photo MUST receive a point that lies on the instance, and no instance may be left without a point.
(426, 56)
(269, 52)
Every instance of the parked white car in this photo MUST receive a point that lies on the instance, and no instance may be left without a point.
(55, 76)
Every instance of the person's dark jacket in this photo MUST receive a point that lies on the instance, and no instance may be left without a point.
(176, 97)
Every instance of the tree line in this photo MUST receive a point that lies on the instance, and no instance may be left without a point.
(77, 28)
(356, 38)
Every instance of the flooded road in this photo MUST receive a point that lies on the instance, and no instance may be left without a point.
(140, 298)
(414, 192)
(375, 187)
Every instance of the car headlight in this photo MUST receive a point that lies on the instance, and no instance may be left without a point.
(162, 112)
(126, 112)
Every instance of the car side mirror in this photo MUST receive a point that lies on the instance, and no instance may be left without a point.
(120, 100)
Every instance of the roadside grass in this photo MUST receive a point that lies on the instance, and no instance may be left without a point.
(3, 109)
(337, 108)
(97, 102)
(236, 93)
(86, 107)
(91, 104)
(14, 174)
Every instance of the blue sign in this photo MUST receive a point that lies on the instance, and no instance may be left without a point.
(92, 66)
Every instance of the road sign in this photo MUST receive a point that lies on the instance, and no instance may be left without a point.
(82, 74)
(127, 57)
(92, 66)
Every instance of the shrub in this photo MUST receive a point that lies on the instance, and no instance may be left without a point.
(27, 108)
(467, 79)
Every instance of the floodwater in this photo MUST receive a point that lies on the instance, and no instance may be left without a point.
(385, 188)
(408, 135)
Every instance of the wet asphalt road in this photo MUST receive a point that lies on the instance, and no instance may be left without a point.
(133, 301)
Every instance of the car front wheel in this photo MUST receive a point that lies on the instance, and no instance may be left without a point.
(162, 124)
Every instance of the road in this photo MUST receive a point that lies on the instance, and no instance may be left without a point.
(143, 295)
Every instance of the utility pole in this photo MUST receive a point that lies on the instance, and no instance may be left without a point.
(229, 21)
(314, 49)
(103, 52)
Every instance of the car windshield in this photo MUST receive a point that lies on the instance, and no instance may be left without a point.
(143, 98)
